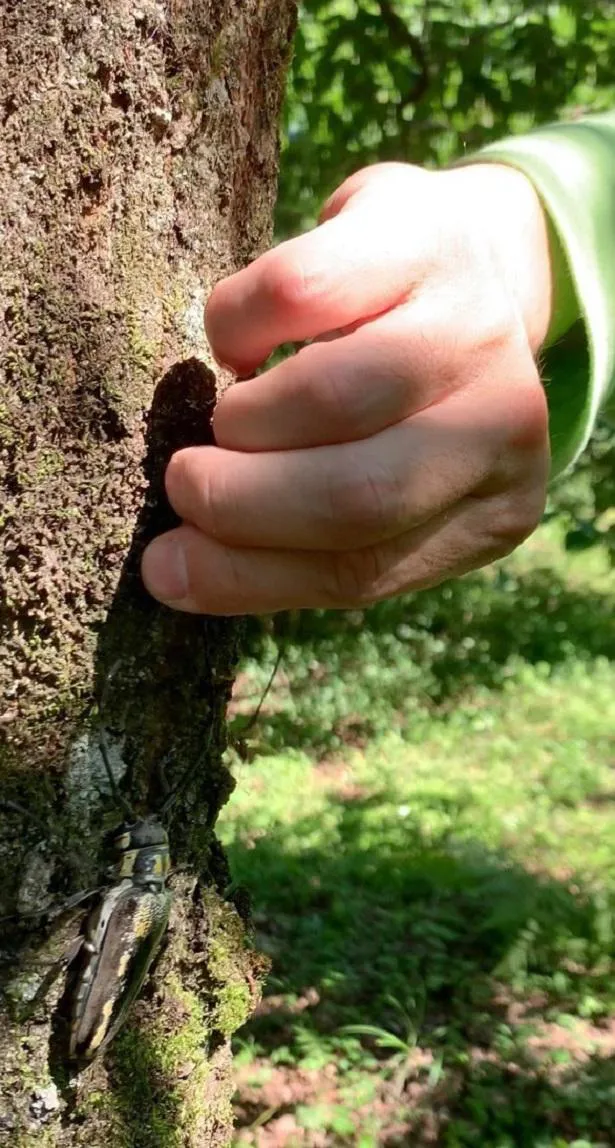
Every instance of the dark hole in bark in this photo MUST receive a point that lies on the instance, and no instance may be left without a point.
(10, 106)
(92, 184)
(180, 416)
(120, 99)
(103, 75)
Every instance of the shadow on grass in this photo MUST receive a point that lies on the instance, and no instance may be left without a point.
(435, 940)
(521, 1105)
(347, 672)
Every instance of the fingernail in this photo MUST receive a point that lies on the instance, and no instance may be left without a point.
(164, 569)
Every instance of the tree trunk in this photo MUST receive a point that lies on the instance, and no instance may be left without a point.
(138, 155)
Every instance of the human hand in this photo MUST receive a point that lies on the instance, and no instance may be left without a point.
(408, 444)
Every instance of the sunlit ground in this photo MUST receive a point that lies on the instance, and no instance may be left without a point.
(431, 860)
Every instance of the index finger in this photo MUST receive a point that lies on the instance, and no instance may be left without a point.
(348, 269)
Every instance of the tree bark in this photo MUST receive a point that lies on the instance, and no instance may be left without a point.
(138, 164)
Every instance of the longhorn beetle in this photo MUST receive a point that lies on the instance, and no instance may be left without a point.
(123, 931)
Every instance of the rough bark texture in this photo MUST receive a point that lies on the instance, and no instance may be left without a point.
(138, 153)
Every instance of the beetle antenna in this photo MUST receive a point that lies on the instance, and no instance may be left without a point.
(117, 796)
(15, 807)
(104, 747)
(252, 720)
(190, 772)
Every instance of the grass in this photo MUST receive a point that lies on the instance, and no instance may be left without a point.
(431, 858)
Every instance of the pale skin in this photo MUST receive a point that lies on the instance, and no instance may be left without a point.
(407, 443)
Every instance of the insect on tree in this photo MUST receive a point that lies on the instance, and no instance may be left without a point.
(123, 930)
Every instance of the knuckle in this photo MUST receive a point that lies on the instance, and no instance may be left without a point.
(529, 429)
(365, 505)
(354, 578)
(343, 407)
(491, 334)
(460, 344)
(287, 282)
(513, 519)
(218, 505)
(316, 381)
(496, 328)
(236, 587)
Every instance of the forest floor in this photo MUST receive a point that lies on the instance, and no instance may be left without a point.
(425, 820)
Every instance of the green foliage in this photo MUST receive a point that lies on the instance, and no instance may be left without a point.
(376, 80)
(585, 501)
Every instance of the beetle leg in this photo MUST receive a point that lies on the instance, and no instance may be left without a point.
(55, 911)
(62, 963)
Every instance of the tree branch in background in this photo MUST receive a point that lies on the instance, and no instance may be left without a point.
(402, 34)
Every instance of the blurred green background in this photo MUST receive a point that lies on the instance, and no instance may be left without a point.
(424, 816)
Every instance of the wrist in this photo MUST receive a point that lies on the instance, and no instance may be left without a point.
(524, 243)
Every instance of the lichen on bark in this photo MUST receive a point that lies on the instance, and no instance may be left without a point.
(138, 162)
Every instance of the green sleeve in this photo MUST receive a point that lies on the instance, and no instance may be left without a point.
(572, 167)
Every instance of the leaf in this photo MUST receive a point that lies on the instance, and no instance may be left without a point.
(382, 1038)
(582, 538)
